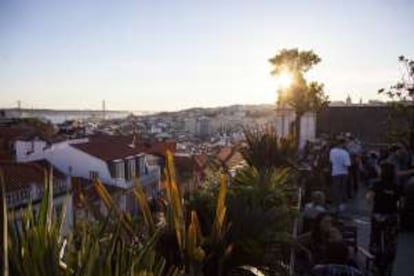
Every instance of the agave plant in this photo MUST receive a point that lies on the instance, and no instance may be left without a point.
(119, 245)
(194, 249)
(259, 221)
(233, 234)
(265, 149)
(113, 254)
(35, 244)
(180, 240)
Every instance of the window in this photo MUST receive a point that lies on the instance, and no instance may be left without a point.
(142, 165)
(117, 169)
(137, 167)
(130, 169)
(93, 175)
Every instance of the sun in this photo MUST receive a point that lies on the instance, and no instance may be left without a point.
(284, 80)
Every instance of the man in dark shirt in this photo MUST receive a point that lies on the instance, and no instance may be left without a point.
(385, 219)
(386, 198)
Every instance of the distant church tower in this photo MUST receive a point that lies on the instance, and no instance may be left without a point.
(348, 100)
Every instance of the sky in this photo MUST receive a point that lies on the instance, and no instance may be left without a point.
(170, 55)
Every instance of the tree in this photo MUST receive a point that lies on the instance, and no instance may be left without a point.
(401, 95)
(301, 95)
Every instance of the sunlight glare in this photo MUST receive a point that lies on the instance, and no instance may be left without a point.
(284, 80)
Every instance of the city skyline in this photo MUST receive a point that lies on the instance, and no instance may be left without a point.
(139, 55)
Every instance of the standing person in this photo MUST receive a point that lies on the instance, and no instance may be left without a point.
(372, 167)
(340, 162)
(354, 148)
(385, 220)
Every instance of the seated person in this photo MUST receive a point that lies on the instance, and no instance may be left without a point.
(314, 242)
(313, 209)
(336, 262)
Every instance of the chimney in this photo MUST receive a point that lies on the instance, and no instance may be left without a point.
(132, 145)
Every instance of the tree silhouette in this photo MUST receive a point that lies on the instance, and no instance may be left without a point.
(401, 95)
(301, 95)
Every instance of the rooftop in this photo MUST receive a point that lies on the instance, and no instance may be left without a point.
(20, 175)
(107, 147)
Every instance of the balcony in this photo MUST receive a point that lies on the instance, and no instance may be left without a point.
(34, 193)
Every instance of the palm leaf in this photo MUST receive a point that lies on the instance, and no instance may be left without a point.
(174, 200)
(111, 205)
(43, 211)
(144, 207)
(220, 209)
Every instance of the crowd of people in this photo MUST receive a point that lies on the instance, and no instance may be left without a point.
(339, 169)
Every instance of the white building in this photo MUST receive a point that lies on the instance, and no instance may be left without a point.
(114, 162)
(284, 121)
(190, 125)
(203, 126)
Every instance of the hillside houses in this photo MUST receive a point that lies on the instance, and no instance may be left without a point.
(24, 184)
(115, 160)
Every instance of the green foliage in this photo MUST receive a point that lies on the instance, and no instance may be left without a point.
(401, 95)
(216, 233)
(261, 213)
(181, 239)
(294, 60)
(265, 150)
(301, 95)
(35, 245)
(403, 90)
(107, 252)
(259, 222)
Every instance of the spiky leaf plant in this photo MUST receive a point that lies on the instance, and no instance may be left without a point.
(34, 242)
(265, 149)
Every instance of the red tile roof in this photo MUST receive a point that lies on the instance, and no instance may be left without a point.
(8, 135)
(109, 148)
(224, 154)
(16, 132)
(229, 156)
(20, 175)
(191, 163)
(107, 151)
(201, 160)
